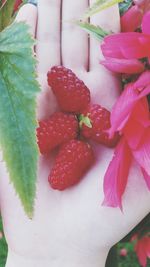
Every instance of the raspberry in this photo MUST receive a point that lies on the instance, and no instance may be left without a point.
(73, 160)
(58, 129)
(71, 93)
(94, 122)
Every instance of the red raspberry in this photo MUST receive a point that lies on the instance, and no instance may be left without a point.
(73, 160)
(94, 122)
(71, 93)
(58, 129)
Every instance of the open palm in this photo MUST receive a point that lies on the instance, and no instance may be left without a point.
(70, 228)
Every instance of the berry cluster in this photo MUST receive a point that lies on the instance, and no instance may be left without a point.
(70, 128)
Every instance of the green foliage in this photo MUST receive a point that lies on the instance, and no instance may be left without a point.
(3, 247)
(131, 259)
(25, 1)
(84, 120)
(95, 31)
(124, 6)
(112, 259)
(98, 6)
(142, 228)
(18, 89)
(7, 12)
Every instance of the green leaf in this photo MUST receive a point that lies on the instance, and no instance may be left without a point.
(85, 120)
(98, 6)
(18, 89)
(6, 11)
(95, 31)
(124, 6)
(25, 1)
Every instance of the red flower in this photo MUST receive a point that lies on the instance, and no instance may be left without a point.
(123, 252)
(17, 4)
(142, 249)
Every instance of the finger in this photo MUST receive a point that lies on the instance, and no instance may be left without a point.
(48, 34)
(109, 20)
(28, 13)
(74, 40)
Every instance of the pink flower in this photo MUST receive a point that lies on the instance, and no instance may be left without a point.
(131, 45)
(146, 23)
(116, 176)
(146, 177)
(128, 66)
(131, 19)
(122, 51)
(130, 116)
(127, 101)
(143, 4)
(142, 249)
(123, 252)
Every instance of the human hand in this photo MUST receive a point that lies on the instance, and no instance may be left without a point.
(70, 228)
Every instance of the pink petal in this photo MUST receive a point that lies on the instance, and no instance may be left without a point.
(116, 176)
(146, 23)
(147, 178)
(144, 92)
(133, 133)
(122, 109)
(122, 38)
(142, 154)
(138, 2)
(143, 4)
(124, 106)
(143, 80)
(138, 121)
(111, 46)
(139, 50)
(131, 19)
(110, 51)
(129, 66)
(126, 45)
(141, 113)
